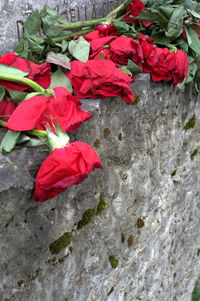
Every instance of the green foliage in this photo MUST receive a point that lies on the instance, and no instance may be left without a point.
(79, 49)
(61, 243)
(59, 79)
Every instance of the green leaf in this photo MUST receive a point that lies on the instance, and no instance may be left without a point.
(133, 67)
(79, 49)
(32, 94)
(26, 141)
(12, 70)
(50, 19)
(152, 15)
(166, 11)
(58, 59)
(160, 38)
(33, 23)
(192, 70)
(190, 4)
(17, 96)
(59, 79)
(175, 25)
(126, 71)
(193, 40)
(121, 26)
(2, 93)
(9, 141)
(194, 14)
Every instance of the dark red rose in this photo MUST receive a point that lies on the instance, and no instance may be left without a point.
(99, 79)
(134, 10)
(107, 30)
(38, 73)
(146, 45)
(117, 49)
(64, 167)
(177, 63)
(33, 113)
(156, 65)
(6, 109)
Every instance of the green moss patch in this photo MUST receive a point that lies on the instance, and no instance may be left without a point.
(140, 222)
(122, 238)
(58, 245)
(97, 143)
(194, 153)
(130, 240)
(37, 272)
(190, 124)
(113, 261)
(173, 173)
(86, 218)
(110, 291)
(101, 204)
(62, 259)
(106, 132)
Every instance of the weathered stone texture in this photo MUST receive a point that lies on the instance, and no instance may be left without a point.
(149, 230)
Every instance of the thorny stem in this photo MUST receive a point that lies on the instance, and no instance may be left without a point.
(94, 22)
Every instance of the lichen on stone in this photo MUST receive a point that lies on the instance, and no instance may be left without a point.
(136, 100)
(20, 283)
(194, 153)
(86, 218)
(191, 123)
(101, 204)
(106, 132)
(58, 245)
(140, 222)
(113, 261)
(71, 249)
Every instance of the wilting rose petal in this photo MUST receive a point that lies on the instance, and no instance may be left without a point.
(33, 113)
(99, 79)
(6, 109)
(38, 73)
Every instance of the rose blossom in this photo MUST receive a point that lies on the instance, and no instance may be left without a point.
(64, 167)
(33, 113)
(99, 79)
(38, 73)
(135, 9)
(118, 49)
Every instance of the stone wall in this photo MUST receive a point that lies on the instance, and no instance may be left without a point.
(143, 243)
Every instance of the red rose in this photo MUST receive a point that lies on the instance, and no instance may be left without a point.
(135, 9)
(156, 64)
(6, 109)
(38, 73)
(118, 49)
(107, 30)
(146, 45)
(177, 63)
(99, 79)
(64, 167)
(64, 108)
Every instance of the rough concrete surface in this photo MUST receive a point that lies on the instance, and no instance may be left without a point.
(14, 13)
(145, 244)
